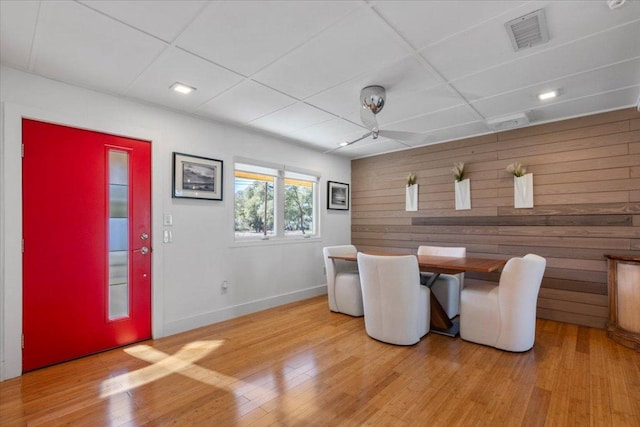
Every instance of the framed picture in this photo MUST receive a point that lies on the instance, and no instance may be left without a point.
(196, 177)
(337, 195)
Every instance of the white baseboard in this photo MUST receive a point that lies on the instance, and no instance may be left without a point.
(186, 324)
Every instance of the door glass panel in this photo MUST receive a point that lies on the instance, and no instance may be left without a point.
(118, 187)
(118, 234)
(118, 167)
(118, 267)
(118, 200)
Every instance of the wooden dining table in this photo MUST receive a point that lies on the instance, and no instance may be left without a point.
(440, 322)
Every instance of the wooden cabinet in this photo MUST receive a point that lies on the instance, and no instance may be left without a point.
(624, 300)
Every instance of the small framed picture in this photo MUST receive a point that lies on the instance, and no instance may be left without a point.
(197, 177)
(337, 195)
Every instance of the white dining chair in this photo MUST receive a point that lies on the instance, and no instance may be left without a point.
(396, 306)
(504, 316)
(343, 281)
(447, 287)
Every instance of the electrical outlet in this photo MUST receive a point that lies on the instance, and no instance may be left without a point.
(224, 287)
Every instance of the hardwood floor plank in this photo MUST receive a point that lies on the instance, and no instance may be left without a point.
(537, 408)
(600, 392)
(558, 413)
(301, 365)
(578, 409)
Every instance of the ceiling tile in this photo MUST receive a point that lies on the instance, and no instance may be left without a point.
(330, 133)
(176, 65)
(77, 45)
(487, 45)
(426, 22)
(291, 119)
(458, 132)
(612, 46)
(349, 49)
(399, 78)
(597, 103)
(438, 120)
(163, 19)
(604, 79)
(245, 102)
(245, 36)
(17, 26)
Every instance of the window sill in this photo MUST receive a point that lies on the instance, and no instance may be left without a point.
(274, 241)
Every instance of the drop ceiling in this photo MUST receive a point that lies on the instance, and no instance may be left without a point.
(294, 69)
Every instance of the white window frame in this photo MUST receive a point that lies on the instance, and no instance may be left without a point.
(280, 172)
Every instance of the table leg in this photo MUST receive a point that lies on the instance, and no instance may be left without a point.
(440, 322)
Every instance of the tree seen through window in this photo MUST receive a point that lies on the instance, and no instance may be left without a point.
(269, 205)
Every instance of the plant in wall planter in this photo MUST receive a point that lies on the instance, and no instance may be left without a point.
(411, 202)
(522, 185)
(462, 187)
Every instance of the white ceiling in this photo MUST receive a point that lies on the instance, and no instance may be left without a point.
(295, 69)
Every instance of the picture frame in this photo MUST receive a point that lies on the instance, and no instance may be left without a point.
(337, 196)
(196, 177)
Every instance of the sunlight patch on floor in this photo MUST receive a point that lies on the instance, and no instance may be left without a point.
(256, 391)
(162, 365)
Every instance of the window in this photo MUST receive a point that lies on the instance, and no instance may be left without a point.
(254, 200)
(274, 202)
(299, 193)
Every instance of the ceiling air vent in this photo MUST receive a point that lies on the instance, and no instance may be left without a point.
(528, 30)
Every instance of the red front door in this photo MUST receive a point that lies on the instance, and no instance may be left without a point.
(87, 242)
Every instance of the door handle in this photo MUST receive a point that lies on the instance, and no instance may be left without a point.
(143, 250)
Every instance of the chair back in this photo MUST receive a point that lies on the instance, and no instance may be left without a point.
(445, 251)
(442, 251)
(334, 266)
(396, 307)
(517, 298)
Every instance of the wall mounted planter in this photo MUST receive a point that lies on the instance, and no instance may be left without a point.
(463, 194)
(411, 204)
(523, 191)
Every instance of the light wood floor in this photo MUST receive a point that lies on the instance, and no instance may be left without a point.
(301, 365)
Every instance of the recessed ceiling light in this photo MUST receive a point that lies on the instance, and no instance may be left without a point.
(343, 144)
(182, 88)
(548, 95)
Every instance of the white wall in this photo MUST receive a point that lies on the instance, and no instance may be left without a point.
(188, 272)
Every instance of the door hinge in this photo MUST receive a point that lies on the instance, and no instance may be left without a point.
(22, 150)
(23, 341)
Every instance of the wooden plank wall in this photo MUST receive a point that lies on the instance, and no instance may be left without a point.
(586, 195)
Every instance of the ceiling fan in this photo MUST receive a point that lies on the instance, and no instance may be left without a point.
(372, 99)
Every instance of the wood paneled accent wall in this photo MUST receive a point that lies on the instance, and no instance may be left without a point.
(586, 178)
